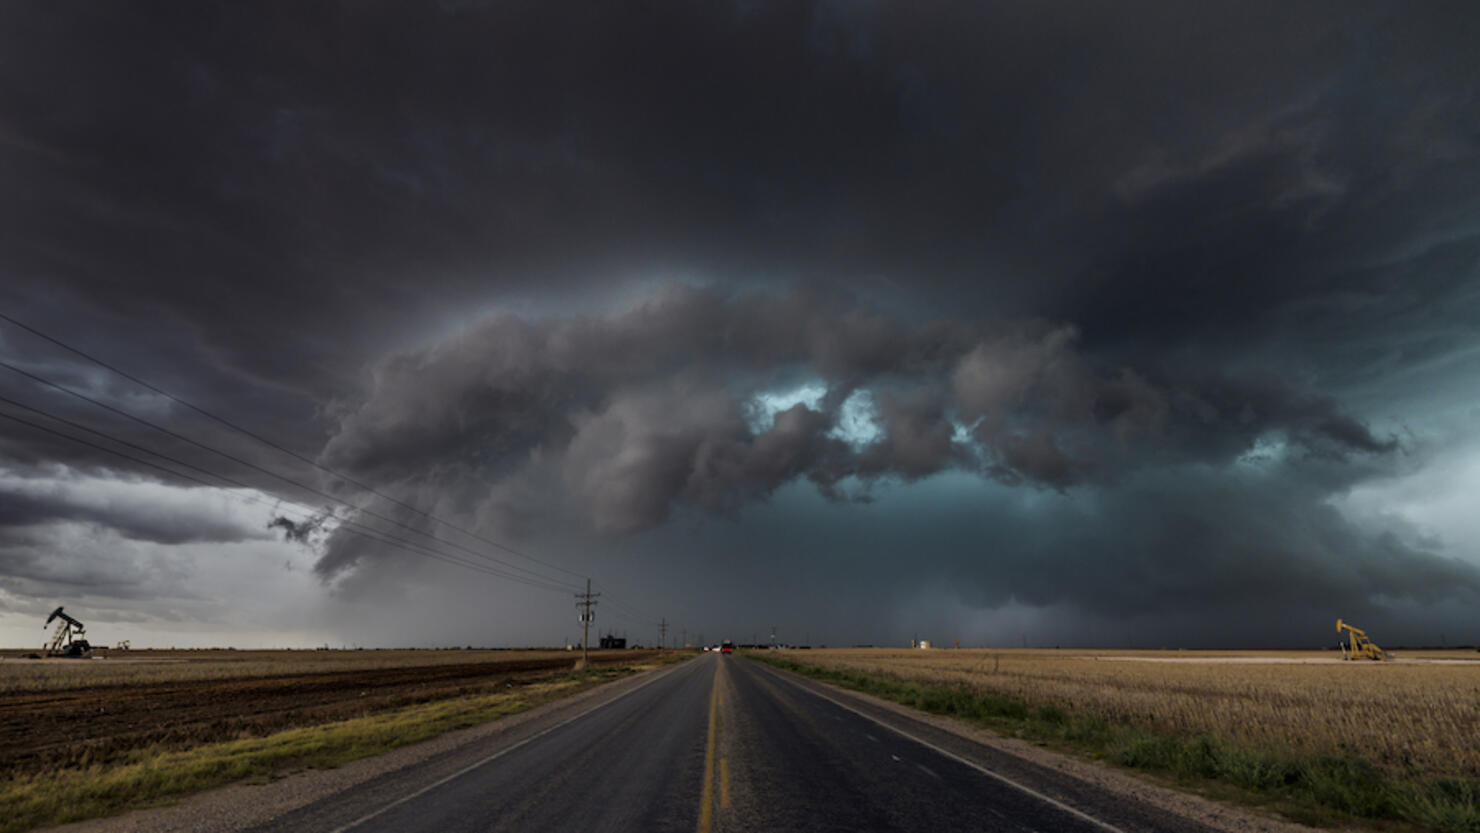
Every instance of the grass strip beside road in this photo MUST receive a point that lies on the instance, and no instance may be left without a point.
(151, 776)
(1322, 790)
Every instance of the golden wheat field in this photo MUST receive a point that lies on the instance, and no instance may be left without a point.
(1421, 712)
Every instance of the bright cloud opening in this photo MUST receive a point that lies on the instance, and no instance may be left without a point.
(762, 410)
(858, 420)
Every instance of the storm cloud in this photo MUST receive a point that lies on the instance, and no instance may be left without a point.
(1118, 313)
(140, 511)
(646, 409)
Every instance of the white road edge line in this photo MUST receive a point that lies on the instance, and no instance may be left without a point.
(499, 754)
(953, 756)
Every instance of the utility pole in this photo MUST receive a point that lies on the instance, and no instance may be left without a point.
(683, 641)
(663, 633)
(587, 601)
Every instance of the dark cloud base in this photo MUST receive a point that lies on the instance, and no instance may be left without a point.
(645, 409)
(1177, 271)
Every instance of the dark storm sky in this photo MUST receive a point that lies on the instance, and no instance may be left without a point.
(1151, 324)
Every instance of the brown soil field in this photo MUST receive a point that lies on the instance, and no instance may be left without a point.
(67, 713)
(18, 673)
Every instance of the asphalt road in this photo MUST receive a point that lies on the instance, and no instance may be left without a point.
(726, 744)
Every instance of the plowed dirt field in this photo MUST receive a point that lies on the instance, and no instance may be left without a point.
(97, 724)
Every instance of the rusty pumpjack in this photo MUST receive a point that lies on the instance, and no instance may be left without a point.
(66, 640)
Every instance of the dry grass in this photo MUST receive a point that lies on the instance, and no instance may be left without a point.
(1411, 716)
(224, 716)
(18, 674)
(184, 699)
(153, 774)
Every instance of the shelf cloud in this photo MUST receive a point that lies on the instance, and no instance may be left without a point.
(1128, 313)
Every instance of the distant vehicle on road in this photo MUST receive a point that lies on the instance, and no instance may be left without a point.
(727, 647)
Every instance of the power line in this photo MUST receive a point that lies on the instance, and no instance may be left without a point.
(586, 601)
(229, 424)
(636, 622)
(305, 512)
(79, 426)
(627, 614)
(351, 527)
(621, 607)
(305, 487)
(533, 575)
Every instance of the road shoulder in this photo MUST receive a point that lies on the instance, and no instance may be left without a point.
(1060, 776)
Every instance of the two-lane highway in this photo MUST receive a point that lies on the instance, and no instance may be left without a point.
(720, 744)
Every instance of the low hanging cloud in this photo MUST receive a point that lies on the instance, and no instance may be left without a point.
(629, 415)
(1259, 538)
(134, 510)
(306, 531)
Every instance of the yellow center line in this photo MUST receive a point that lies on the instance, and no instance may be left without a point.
(706, 801)
(724, 783)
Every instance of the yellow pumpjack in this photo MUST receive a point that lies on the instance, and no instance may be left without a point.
(1361, 646)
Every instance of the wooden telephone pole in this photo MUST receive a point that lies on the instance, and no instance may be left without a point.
(587, 601)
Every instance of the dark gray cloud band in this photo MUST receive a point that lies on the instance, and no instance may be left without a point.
(645, 410)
